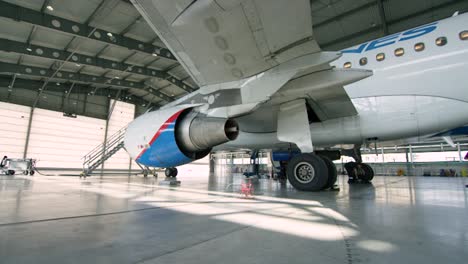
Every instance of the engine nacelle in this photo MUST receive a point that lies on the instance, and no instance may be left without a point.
(175, 136)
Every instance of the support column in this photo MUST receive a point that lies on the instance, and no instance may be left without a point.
(383, 155)
(28, 133)
(460, 158)
(411, 159)
(212, 163)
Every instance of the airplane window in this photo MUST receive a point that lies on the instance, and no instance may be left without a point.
(419, 46)
(363, 61)
(347, 65)
(464, 35)
(399, 52)
(380, 57)
(442, 41)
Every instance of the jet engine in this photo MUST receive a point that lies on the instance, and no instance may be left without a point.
(177, 135)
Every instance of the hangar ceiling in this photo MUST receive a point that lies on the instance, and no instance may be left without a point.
(94, 50)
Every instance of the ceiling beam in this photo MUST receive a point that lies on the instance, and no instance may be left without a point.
(67, 76)
(383, 17)
(33, 17)
(81, 59)
(34, 85)
(11, 68)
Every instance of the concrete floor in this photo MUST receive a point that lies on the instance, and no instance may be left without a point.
(117, 219)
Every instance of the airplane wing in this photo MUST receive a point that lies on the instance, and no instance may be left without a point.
(219, 41)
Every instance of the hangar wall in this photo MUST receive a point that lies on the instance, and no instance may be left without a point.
(57, 141)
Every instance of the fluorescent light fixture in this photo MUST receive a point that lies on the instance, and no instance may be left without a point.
(109, 35)
(29, 49)
(49, 7)
(154, 54)
(78, 65)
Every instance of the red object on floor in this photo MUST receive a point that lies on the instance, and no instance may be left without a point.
(247, 189)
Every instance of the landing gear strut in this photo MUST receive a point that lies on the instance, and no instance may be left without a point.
(171, 172)
(358, 171)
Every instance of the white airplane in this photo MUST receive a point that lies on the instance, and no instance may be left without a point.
(266, 84)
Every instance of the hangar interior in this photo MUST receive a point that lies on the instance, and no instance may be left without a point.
(73, 74)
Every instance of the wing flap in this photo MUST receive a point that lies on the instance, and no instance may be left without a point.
(325, 91)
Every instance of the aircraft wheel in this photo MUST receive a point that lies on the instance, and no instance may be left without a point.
(307, 172)
(368, 172)
(171, 172)
(174, 172)
(31, 173)
(11, 172)
(351, 170)
(332, 174)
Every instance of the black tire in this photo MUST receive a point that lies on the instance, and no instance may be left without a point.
(25, 172)
(307, 172)
(351, 170)
(332, 173)
(31, 173)
(174, 172)
(168, 172)
(368, 174)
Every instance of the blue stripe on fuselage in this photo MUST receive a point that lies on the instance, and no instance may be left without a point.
(392, 39)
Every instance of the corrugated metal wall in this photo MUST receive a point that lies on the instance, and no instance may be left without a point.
(57, 141)
(14, 123)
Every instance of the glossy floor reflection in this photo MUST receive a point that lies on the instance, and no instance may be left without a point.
(118, 219)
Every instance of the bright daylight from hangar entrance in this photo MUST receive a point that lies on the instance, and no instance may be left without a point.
(241, 131)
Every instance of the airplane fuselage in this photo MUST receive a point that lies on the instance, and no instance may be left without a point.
(418, 87)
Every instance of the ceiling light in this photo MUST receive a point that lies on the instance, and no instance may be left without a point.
(109, 35)
(78, 65)
(49, 7)
(29, 49)
(58, 83)
(117, 77)
(154, 54)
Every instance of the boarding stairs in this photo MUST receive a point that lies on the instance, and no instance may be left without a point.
(103, 152)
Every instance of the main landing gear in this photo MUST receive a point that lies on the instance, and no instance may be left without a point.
(311, 172)
(171, 172)
(357, 171)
